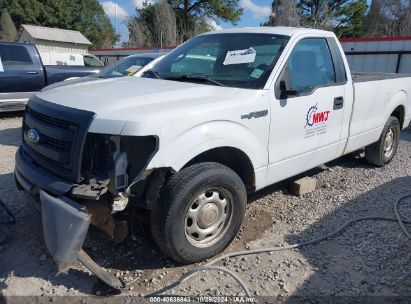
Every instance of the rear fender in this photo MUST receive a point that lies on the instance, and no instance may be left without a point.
(398, 99)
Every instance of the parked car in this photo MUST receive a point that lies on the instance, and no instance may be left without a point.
(22, 74)
(62, 58)
(128, 66)
(229, 113)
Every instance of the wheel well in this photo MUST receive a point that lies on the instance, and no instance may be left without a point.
(399, 112)
(233, 158)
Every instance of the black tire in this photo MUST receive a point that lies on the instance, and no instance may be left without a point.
(376, 153)
(171, 217)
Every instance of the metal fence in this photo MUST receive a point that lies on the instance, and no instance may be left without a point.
(111, 56)
(386, 54)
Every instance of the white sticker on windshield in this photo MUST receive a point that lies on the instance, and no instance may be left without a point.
(240, 56)
(134, 68)
(1, 66)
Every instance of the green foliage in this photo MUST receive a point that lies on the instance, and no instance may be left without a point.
(344, 17)
(351, 19)
(23, 11)
(86, 16)
(225, 10)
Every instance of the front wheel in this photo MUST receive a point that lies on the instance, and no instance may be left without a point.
(383, 151)
(199, 212)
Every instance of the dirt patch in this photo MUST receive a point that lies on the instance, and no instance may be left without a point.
(123, 259)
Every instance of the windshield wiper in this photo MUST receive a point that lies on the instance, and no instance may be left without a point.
(197, 77)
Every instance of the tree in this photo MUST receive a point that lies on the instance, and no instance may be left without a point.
(89, 18)
(344, 17)
(166, 27)
(351, 18)
(389, 18)
(217, 10)
(86, 16)
(284, 13)
(8, 30)
(181, 19)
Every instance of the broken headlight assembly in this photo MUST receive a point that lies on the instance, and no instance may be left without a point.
(110, 164)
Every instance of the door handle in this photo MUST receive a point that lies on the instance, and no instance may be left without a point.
(32, 72)
(338, 103)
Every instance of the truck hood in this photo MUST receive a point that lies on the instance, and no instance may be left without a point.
(115, 101)
(69, 81)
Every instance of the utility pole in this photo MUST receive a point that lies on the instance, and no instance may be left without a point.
(115, 17)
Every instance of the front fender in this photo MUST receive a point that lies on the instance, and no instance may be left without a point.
(203, 137)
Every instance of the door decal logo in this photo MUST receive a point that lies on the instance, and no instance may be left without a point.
(315, 121)
(313, 117)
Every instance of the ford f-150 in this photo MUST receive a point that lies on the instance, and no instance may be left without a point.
(228, 113)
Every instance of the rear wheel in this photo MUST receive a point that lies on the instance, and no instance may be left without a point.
(383, 151)
(199, 213)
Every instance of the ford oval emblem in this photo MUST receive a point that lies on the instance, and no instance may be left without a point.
(33, 136)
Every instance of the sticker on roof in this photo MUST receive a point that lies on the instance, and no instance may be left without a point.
(240, 56)
(1, 66)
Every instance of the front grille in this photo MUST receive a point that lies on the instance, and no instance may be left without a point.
(57, 144)
(50, 120)
(62, 132)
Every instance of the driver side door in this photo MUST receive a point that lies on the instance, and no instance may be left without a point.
(306, 111)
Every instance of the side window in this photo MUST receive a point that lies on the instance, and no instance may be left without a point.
(15, 55)
(310, 66)
(91, 61)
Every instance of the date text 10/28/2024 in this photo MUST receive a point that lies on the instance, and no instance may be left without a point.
(205, 299)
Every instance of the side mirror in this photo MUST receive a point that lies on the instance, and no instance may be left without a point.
(285, 93)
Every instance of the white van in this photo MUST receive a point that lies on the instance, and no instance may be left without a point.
(60, 58)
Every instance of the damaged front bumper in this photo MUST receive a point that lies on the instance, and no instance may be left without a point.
(65, 225)
(65, 222)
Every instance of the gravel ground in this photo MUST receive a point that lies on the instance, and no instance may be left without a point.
(368, 259)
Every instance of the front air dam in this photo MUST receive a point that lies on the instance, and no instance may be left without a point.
(65, 225)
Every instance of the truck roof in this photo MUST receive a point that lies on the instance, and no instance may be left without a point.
(14, 42)
(279, 30)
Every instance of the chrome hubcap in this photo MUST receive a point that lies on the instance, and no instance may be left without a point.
(208, 215)
(207, 218)
(389, 143)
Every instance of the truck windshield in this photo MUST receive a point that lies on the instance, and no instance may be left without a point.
(125, 67)
(235, 60)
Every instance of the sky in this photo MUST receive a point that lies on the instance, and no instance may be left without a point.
(255, 12)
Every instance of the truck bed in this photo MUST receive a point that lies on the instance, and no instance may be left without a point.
(364, 77)
(377, 95)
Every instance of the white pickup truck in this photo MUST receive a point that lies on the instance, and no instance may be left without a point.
(223, 115)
